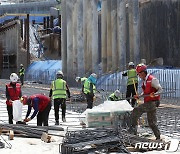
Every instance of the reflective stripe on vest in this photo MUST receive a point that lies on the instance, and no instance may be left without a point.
(132, 75)
(21, 71)
(59, 88)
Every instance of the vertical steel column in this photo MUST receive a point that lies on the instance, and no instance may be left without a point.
(28, 53)
(121, 23)
(95, 33)
(64, 38)
(104, 35)
(136, 31)
(80, 49)
(109, 37)
(69, 39)
(114, 34)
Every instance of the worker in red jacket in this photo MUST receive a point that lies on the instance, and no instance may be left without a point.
(13, 92)
(151, 91)
(41, 105)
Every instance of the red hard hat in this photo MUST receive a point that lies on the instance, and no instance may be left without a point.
(140, 68)
(24, 99)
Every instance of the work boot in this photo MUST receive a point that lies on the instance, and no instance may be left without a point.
(64, 119)
(158, 138)
(21, 122)
(57, 122)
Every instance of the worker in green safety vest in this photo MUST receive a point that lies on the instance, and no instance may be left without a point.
(59, 91)
(21, 74)
(116, 96)
(81, 81)
(89, 89)
(132, 83)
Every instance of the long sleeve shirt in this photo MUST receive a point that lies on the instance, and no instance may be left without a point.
(35, 105)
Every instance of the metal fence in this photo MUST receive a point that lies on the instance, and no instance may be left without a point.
(168, 78)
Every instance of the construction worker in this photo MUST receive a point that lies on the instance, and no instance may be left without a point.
(90, 89)
(116, 96)
(132, 83)
(21, 74)
(13, 92)
(41, 105)
(151, 89)
(59, 91)
(81, 81)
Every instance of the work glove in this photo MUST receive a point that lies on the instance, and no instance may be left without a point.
(136, 96)
(27, 119)
(152, 94)
(68, 99)
(94, 98)
(157, 103)
(10, 101)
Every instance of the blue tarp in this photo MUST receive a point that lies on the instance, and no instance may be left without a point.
(38, 19)
(43, 71)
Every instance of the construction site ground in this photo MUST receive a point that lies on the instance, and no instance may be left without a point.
(167, 114)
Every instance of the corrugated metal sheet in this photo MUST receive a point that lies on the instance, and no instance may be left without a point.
(43, 71)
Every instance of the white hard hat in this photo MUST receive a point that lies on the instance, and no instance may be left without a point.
(94, 75)
(59, 73)
(131, 63)
(14, 77)
(21, 65)
(117, 93)
(77, 78)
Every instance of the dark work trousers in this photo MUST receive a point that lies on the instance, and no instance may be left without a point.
(150, 109)
(22, 79)
(57, 103)
(10, 113)
(43, 116)
(89, 99)
(130, 92)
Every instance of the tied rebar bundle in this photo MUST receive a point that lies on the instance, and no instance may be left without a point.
(31, 131)
(95, 140)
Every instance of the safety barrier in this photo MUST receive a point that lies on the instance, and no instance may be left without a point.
(168, 78)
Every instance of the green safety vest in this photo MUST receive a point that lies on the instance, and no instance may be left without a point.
(21, 71)
(59, 88)
(83, 79)
(86, 88)
(114, 97)
(132, 75)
